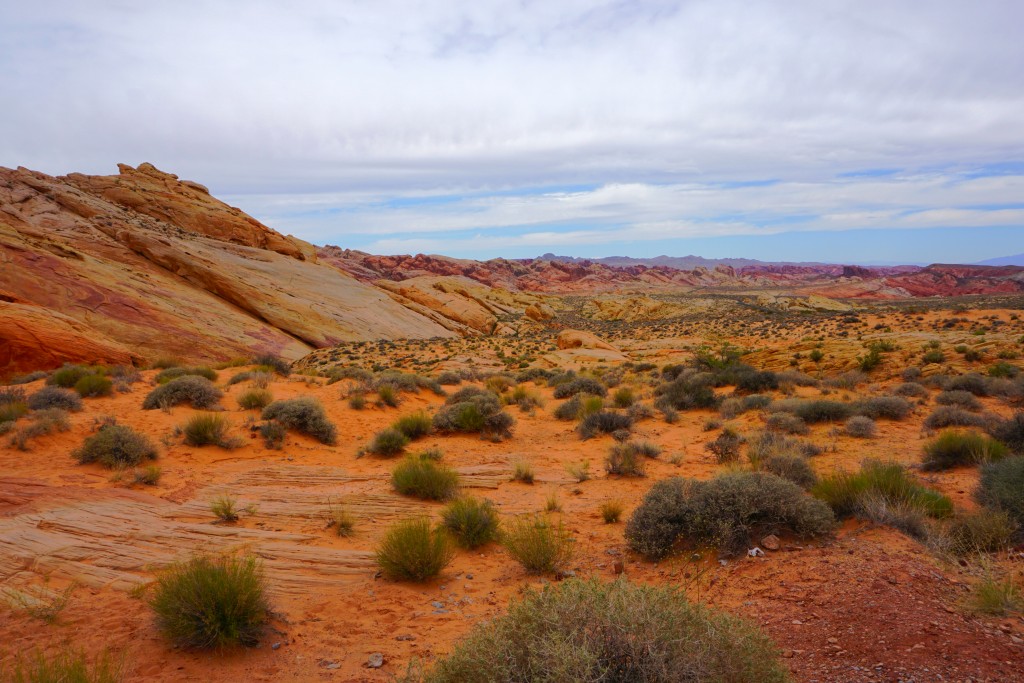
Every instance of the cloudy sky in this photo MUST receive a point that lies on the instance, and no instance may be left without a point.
(872, 131)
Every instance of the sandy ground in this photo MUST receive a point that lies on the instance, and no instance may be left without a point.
(868, 605)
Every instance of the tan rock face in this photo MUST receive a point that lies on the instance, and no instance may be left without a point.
(146, 262)
(577, 339)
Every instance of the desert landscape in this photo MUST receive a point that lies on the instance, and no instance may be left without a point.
(185, 384)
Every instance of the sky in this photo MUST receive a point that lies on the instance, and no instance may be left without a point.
(867, 131)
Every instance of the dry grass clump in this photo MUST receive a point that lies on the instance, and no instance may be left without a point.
(165, 376)
(304, 414)
(67, 376)
(388, 442)
(1001, 487)
(625, 460)
(592, 631)
(273, 363)
(209, 429)
(522, 471)
(471, 522)
(953, 416)
(91, 386)
(961, 399)
(794, 468)
(116, 446)
(972, 533)
(538, 544)
(888, 407)
(44, 422)
(212, 602)
(611, 511)
(413, 426)
(412, 550)
(725, 512)
(55, 397)
(1010, 432)
(785, 423)
(860, 427)
(423, 478)
(726, 446)
(255, 399)
(198, 392)
(603, 422)
(581, 385)
(954, 448)
(813, 411)
(66, 666)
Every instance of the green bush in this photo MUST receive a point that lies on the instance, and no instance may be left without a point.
(479, 412)
(813, 411)
(413, 426)
(1001, 487)
(278, 365)
(685, 392)
(208, 429)
(388, 442)
(933, 356)
(66, 666)
(582, 631)
(273, 434)
(413, 551)
(303, 414)
(424, 478)
(725, 512)
(255, 399)
(116, 446)
(197, 391)
(472, 522)
(953, 448)
(212, 602)
(846, 492)
(611, 511)
(165, 376)
(624, 397)
(538, 544)
(10, 412)
(94, 385)
(55, 397)
(888, 407)
(67, 376)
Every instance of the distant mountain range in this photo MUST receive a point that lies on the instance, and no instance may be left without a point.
(1015, 260)
(682, 262)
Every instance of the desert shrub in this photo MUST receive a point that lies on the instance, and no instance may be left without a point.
(413, 426)
(580, 472)
(933, 356)
(465, 394)
(11, 395)
(30, 377)
(792, 468)
(275, 363)
(412, 550)
(480, 412)
(579, 631)
(240, 377)
(860, 427)
(813, 411)
(756, 381)
(1003, 369)
(66, 666)
(1010, 432)
(68, 375)
(538, 544)
(424, 478)
(536, 375)
(911, 389)
(984, 531)
(846, 492)
(625, 459)
(624, 397)
(581, 385)
(899, 514)
(796, 378)
(731, 408)
(10, 412)
(995, 597)
(165, 376)
(952, 416)
(611, 511)
(148, 475)
(212, 602)
(888, 407)
(255, 399)
(971, 382)
(406, 382)
(1001, 487)
(961, 399)
(953, 448)
(209, 429)
(472, 522)
(388, 442)
(341, 520)
(522, 471)
(225, 508)
(197, 391)
(726, 446)
(847, 380)
(357, 401)
(499, 384)
(55, 397)
(387, 395)
(116, 446)
(273, 434)
(303, 414)
(449, 378)
(570, 410)
(164, 362)
(685, 392)
(786, 423)
(44, 422)
(603, 422)
(94, 385)
(763, 445)
(725, 512)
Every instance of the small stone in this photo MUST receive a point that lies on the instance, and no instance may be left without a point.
(833, 641)
(375, 661)
(770, 542)
(275, 646)
(405, 636)
(755, 552)
(619, 567)
(788, 654)
(437, 605)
